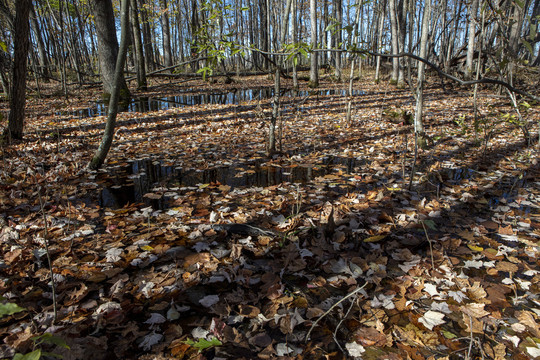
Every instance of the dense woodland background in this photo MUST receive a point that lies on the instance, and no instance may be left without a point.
(215, 179)
(68, 37)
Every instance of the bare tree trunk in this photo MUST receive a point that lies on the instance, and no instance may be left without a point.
(166, 34)
(473, 10)
(108, 134)
(314, 71)
(356, 39)
(395, 41)
(418, 122)
(294, 39)
(263, 31)
(43, 58)
(277, 89)
(17, 100)
(382, 14)
(271, 147)
(139, 52)
(338, 38)
(402, 27)
(147, 38)
(107, 46)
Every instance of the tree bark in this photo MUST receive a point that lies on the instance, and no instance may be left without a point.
(395, 41)
(147, 38)
(418, 122)
(294, 39)
(402, 27)
(139, 52)
(338, 38)
(107, 47)
(314, 71)
(18, 91)
(43, 58)
(166, 34)
(263, 31)
(382, 14)
(473, 10)
(108, 133)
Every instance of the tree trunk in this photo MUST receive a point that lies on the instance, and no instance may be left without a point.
(473, 10)
(166, 33)
(518, 15)
(402, 27)
(395, 41)
(108, 47)
(139, 52)
(314, 71)
(338, 38)
(294, 39)
(418, 122)
(382, 14)
(6, 13)
(194, 38)
(147, 38)
(43, 58)
(263, 31)
(20, 53)
(271, 147)
(108, 134)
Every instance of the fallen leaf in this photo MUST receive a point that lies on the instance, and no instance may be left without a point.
(432, 319)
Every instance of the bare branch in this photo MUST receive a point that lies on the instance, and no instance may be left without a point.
(427, 62)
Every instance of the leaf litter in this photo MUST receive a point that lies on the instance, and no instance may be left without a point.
(190, 243)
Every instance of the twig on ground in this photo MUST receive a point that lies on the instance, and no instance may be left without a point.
(339, 324)
(46, 242)
(471, 339)
(413, 168)
(430, 245)
(333, 307)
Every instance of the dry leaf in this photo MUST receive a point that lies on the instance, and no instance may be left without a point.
(368, 336)
(475, 310)
(432, 319)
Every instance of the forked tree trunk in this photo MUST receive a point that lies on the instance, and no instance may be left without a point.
(108, 47)
(108, 134)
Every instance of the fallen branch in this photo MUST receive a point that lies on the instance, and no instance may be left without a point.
(168, 67)
(332, 308)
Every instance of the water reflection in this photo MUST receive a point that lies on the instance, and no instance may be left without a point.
(233, 97)
(137, 178)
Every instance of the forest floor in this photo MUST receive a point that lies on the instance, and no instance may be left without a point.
(191, 244)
